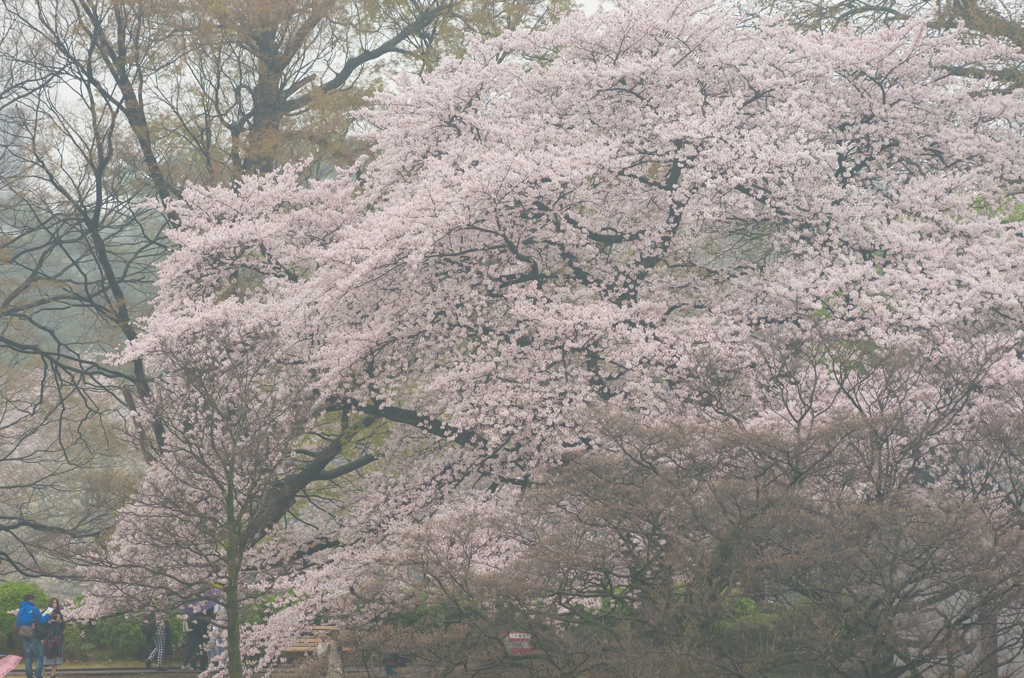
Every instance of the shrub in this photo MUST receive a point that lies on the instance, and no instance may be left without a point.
(115, 638)
(11, 595)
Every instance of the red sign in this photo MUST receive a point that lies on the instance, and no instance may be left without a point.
(517, 643)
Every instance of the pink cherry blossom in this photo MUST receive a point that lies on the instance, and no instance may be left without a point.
(651, 209)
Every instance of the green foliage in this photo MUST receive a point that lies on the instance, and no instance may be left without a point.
(115, 638)
(73, 643)
(11, 595)
(428, 614)
(121, 637)
(1010, 211)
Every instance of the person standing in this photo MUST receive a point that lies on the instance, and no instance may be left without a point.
(204, 641)
(149, 633)
(215, 647)
(194, 637)
(191, 644)
(393, 662)
(31, 627)
(53, 646)
(161, 637)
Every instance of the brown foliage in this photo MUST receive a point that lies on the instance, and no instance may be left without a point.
(678, 552)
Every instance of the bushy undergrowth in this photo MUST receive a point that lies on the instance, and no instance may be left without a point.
(114, 639)
(11, 595)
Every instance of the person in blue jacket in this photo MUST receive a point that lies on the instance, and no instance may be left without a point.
(29, 614)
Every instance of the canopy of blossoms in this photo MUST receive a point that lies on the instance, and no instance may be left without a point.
(652, 209)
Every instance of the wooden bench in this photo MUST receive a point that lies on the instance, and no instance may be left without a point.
(308, 640)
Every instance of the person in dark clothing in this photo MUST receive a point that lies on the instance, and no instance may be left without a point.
(53, 646)
(191, 641)
(34, 624)
(149, 633)
(204, 648)
(195, 638)
(393, 662)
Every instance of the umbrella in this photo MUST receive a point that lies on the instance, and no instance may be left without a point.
(7, 663)
(211, 599)
(197, 606)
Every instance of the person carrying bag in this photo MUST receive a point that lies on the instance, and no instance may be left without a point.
(53, 644)
(32, 629)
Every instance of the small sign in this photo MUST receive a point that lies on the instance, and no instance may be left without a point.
(517, 643)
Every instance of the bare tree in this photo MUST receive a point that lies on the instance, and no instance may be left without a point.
(980, 19)
(59, 485)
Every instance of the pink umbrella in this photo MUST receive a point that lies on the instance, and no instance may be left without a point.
(7, 663)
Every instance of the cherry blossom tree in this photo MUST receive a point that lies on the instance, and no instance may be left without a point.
(235, 410)
(105, 104)
(591, 222)
(795, 238)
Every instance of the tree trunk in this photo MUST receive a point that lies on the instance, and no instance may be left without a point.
(988, 661)
(234, 634)
(233, 553)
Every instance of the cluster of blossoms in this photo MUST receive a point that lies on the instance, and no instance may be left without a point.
(809, 243)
